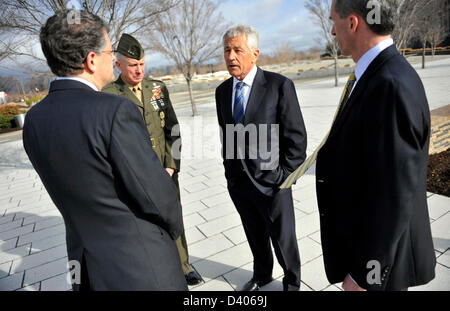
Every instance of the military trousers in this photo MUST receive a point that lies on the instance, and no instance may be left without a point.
(181, 241)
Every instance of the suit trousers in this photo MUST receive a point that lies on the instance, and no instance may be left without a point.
(267, 218)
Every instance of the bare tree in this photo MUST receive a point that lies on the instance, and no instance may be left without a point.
(7, 84)
(437, 28)
(189, 34)
(405, 25)
(284, 53)
(8, 44)
(420, 18)
(22, 19)
(429, 24)
(5, 48)
(37, 82)
(320, 10)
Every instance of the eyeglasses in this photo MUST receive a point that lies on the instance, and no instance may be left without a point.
(110, 52)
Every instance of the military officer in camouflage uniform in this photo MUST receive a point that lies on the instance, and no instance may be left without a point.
(152, 99)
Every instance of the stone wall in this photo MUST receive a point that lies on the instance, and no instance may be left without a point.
(440, 130)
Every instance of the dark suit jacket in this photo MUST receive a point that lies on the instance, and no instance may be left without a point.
(272, 101)
(93, 154)
(371, 181)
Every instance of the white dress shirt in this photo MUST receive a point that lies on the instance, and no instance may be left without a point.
(365, 61)
(90, 84)
(248, 80)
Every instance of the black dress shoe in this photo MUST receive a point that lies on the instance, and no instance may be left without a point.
(291, 288)
(193, 278)
(254, 285)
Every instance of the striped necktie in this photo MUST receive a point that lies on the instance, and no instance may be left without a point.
(238, 108)
(299, 172)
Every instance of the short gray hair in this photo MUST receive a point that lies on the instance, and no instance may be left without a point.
(388, 13)
(66, 45)
(243, 30)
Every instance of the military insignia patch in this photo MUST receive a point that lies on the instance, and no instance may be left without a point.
(157, 94)
(154, 105)
(162, 115)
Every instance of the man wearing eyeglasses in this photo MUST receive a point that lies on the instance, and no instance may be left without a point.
(92, 153)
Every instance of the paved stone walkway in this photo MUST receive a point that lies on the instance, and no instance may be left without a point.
(33, 253)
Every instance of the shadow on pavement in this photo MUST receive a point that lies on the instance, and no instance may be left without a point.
(38, 254)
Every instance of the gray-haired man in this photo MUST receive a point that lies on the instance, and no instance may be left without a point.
(266, 102)
(92, 152)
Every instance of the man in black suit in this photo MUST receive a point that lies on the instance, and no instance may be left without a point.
(371, 172)
(263, 141)
(92, 152)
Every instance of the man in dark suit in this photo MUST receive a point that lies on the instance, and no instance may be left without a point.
(371, 171)
(263, 141)
(92, 152)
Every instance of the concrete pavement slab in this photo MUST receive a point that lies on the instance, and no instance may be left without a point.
(38, 259)
(219, 225)
(438, 206)
(193, 235)
(236, 235)
(224, 262)
(57, 283)
(444, 259)
(208, 247)
(4, 269)
(219, 284)
(440, 230)
(45, 271)
(440, 283)
(31, 288)
(11, 282)
(313, 274)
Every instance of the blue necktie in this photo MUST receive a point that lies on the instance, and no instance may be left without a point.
(238, 108)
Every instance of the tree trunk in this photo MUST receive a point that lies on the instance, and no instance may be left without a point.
(336, 77)
(433, 50)
(191, 95)
(423, 54)
(21, 88)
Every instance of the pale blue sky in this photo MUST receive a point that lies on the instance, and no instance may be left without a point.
(277, 22)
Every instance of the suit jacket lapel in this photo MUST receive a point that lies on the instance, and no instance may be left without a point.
(226, 103)
(361, 86)
(257, 92)
(147, 92)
